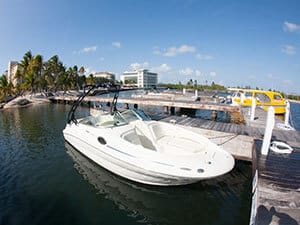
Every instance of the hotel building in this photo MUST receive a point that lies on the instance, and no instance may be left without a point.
(106, 75)
(12, 68)
(139, 78)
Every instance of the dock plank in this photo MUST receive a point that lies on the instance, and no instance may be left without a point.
(278, 188)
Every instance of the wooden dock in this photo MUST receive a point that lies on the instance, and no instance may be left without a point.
(276, 187)
(169, 105)
(276, 177)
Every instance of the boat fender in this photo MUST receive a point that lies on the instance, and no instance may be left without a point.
(102, 140)
(280, 147)
(173, 121)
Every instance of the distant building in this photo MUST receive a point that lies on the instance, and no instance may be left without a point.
(139, 78)
(12, 68)
(106, 75)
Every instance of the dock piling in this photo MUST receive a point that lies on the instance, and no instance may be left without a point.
(214, 115)
(166, 109)
(268, 131)
(287, 114)
(253, 107)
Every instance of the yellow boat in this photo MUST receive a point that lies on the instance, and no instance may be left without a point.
(243, 97)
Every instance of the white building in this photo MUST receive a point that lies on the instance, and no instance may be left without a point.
(139, 78)
(106, 75)
(13, 66)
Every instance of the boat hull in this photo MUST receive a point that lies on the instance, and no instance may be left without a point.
(126, 170)
(145, 166)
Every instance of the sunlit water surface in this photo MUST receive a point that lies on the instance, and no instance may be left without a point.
(44, 181)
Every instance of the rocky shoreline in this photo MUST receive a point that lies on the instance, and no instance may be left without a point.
(34, 99)
(24, 101)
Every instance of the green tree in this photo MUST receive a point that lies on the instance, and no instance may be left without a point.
(75, 72)
(53, 69)
(90, 80)
(3, 86)
(30, 81)
(81, 72)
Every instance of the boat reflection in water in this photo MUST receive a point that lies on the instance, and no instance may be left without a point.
(224, 200)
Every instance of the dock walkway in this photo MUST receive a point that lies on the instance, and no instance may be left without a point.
(276, 182)
(276, 187)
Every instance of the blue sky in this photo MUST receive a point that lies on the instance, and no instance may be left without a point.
(233, 43)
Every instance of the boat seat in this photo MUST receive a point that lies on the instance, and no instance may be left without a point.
(172, 143)
(135, 136)
(132, 137)
(146, 142)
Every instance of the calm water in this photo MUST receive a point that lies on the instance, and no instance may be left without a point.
(43, 181)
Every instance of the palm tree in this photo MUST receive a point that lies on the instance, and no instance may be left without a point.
(53, 68)
(81, 72)
(64, 81)
(90, 80)
(30, 81)
(36, 66)
(75, 71)
(19, 77)
(25, 62)
(3, 85)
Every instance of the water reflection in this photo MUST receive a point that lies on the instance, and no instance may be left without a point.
(192, 204)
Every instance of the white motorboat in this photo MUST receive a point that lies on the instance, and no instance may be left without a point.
(131, 145)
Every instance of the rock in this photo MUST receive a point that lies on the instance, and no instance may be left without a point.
(23, 102)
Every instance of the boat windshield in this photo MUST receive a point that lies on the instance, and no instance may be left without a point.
(133, 115)
(104, 120)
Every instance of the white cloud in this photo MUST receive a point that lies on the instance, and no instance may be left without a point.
(173, 51)
(136, 66)
(162, 68)
(289, 50)
(204, 57)
(156, 51)
(88, 49)
(291, 27)
(187, 71)
(212, 74)
(116, 44)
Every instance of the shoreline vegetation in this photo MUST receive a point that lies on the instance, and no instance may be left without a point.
(35, 79)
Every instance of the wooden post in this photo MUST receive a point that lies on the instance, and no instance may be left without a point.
(213, 115)
(166, 109)
(172, 110)
(196, 93)
(268, 131)
(253, 106)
